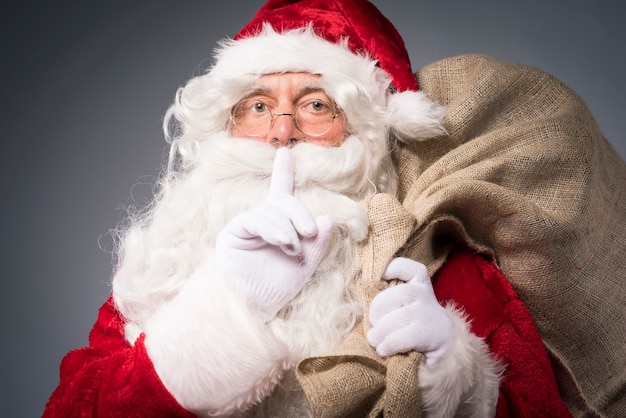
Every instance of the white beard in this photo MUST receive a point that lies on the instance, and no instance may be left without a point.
(225, 176)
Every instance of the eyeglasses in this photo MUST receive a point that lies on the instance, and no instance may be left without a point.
(313, 117)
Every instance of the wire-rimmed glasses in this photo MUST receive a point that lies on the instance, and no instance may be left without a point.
(313, 117)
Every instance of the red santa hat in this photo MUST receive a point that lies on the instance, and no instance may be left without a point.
(357, 22)
(344, 41)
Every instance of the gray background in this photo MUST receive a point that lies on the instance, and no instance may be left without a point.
(84, 88)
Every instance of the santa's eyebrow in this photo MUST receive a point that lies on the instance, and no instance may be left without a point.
(308, 88)
(255, 90)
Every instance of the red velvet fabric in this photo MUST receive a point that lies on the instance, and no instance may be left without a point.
(364, 26)
(499, 316)
(111, 379)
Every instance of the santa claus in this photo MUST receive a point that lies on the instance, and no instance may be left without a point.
(241, 268)
(249, 263)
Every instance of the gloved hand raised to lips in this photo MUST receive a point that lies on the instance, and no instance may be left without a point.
(270, 251)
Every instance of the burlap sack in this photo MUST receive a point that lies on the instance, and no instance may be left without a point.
(353, 381)
(526, 175)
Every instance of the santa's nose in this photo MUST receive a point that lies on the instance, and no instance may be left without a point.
(284, 131)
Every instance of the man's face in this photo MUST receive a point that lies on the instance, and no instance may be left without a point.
(283, 109)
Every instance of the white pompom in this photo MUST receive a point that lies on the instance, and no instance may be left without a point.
(413, 116)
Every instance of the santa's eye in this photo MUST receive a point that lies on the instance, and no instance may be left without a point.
(315, 107)
(251, 109)
(258, 107)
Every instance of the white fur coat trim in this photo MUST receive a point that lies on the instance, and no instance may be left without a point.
(194, 337)
(466, 380)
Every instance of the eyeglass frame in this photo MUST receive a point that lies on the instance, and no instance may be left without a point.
(335, 114)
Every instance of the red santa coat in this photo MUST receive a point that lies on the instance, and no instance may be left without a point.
(111, 378)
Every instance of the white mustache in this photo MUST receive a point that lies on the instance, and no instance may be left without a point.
(329, 180)
(231, 156)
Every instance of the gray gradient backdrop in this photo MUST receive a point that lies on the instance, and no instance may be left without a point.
(84, 88)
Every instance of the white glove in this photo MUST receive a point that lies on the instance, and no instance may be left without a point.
(408, 316)
(271, 250)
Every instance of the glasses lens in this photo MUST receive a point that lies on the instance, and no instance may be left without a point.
(315, 117)
(252, 117)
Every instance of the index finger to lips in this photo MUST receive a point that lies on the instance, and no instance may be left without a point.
(282, 173)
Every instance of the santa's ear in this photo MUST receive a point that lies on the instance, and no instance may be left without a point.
(413, 116)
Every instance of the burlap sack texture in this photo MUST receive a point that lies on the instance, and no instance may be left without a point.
(353, 381)
(525, 175)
